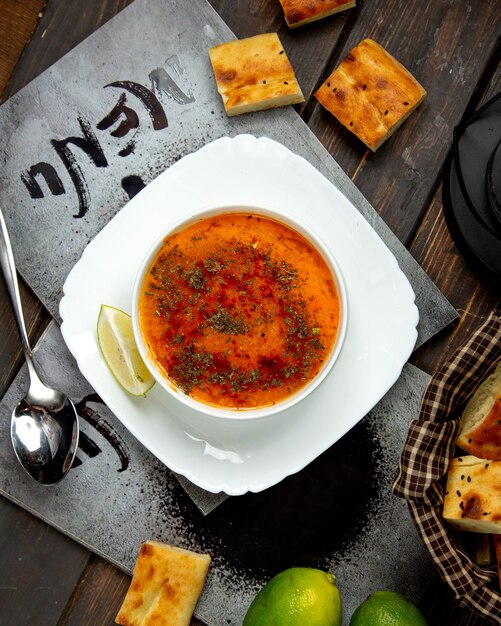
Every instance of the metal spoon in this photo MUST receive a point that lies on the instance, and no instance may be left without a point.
(44, 425)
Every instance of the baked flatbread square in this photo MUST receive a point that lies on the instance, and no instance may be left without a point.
(166, 584)
(254, 74)
(480, 426)
(299, 12)
(370, 93)
(472, 498)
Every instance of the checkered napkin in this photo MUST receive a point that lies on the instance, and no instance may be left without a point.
(429, 447)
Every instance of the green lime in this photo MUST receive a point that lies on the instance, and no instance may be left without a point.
(387, 608)
(299, 596)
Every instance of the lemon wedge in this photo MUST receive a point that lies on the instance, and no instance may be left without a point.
(119, 349)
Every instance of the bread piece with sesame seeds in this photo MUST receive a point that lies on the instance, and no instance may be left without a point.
(472, 499)
(370, 93)
(480, 427)
(254, 74)
(300, 12)
(166, 584)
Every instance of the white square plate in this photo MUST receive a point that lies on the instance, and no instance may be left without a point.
(236, 457)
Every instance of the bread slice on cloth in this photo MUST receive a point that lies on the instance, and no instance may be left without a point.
(480, 427)
(166, 584)
(253, 74)
(370, 93)
(472, 500)
(299, 12)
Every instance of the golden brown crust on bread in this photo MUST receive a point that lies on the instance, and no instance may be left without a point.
(370, 93)
(166, 584)
(472, 498)
(253, 74)
(480, 428)
(299, 12)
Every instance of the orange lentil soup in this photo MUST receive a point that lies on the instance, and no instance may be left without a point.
(239, 310)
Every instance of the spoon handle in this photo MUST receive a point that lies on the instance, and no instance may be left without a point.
(38, 393)
(10, 275)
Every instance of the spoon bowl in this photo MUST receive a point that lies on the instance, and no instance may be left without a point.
(44, 424)
(44, 441)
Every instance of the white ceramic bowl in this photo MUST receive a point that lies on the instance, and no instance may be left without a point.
(241, 413)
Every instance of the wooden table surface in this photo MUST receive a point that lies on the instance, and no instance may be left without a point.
(453, 49)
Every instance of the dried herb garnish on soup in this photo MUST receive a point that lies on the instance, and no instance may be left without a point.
(239, 310)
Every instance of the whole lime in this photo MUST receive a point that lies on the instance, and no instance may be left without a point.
(387, 608)
(299, 596)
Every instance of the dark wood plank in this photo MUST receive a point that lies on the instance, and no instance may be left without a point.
(65, 23)
(39, 568)
(36, 319)
(446, 47)
(98, 596)
(433, 247)
(473, 296)
(17, 23)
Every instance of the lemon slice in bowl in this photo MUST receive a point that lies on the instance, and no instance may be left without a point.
(118, 347)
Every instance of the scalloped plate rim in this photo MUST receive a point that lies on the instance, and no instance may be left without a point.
(243, 147)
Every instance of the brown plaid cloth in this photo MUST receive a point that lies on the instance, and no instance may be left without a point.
(429, 447)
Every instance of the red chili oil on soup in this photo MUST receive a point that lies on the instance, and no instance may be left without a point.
(239, 310)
